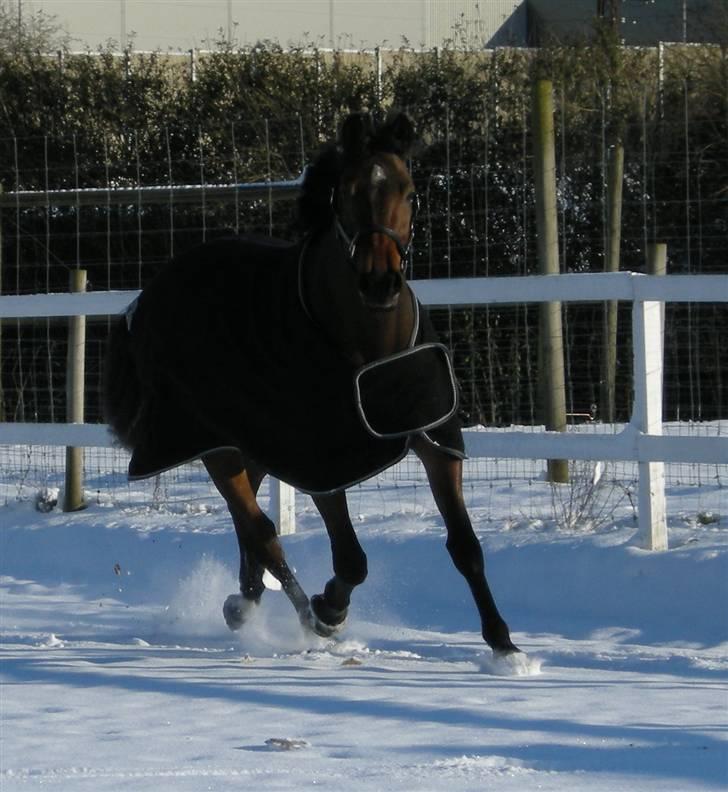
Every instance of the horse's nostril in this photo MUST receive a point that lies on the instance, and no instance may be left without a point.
(381, 290)
(392, 279)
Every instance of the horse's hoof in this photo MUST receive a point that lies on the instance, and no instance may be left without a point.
(317, 627)
(323, 620)
(514, 663)
(506, 651)
(237, 610)
(498, 637)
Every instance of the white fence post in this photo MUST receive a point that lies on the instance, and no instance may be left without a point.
(647, 340)
(282, 506)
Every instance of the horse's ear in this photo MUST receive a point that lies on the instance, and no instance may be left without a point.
(398, 134)
(356, 131)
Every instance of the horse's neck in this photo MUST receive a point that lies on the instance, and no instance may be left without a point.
(332, 293)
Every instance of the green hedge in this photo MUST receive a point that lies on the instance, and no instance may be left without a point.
(105, 120)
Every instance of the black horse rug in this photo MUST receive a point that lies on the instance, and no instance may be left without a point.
(229, 357)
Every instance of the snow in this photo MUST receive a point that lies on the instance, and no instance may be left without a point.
(118, 671)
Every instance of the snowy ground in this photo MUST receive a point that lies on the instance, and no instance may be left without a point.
(119, 673)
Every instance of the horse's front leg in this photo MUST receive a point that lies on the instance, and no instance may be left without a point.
(444, 473)
(260, 547)
(349, 561)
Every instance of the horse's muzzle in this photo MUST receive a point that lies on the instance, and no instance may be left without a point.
(380, 291)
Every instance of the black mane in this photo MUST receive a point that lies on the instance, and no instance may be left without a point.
(320, 178)
(359, 138)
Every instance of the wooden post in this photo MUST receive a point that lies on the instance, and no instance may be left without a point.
(282, 506)
(615, 178)
(75, 370)
(657, 259)
(648, 336)
(378, 67)
(2, 393)
(551, 358)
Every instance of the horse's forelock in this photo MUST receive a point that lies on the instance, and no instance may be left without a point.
(359, 139)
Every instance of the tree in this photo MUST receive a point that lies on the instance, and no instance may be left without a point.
(36, 31)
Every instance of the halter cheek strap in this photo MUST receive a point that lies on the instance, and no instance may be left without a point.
(351, 242)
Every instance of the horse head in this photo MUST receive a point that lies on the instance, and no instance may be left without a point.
(374, 205)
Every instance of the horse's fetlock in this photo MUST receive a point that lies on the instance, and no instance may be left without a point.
(337, 594)
(252, 591)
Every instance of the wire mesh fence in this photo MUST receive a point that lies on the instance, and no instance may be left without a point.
(474, 177)
(510, 493)
(495, 348)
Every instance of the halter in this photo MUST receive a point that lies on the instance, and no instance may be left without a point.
(351, 242)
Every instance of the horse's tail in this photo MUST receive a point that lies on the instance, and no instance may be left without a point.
(121, 386)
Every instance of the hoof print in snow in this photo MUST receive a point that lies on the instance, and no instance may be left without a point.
(285, 744)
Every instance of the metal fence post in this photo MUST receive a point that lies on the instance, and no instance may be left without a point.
(73, 492)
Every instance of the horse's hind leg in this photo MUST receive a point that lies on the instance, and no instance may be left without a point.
(260, 547)
(251, 570)
(350, 564)
(238, 607)
(444, 473)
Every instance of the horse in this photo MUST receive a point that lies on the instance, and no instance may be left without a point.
(311, 361)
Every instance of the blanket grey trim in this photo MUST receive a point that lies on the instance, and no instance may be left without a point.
(195, 458)
(413, 350)
(445, 449)
(397, 460)
(361, 479)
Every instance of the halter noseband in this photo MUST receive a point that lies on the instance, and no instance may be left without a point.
(351, 242)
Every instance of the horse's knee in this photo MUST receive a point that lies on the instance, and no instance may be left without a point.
(467, 554)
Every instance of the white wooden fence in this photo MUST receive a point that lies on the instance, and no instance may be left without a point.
(641, 441)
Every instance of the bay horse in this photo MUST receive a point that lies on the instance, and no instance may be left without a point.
(310, 361)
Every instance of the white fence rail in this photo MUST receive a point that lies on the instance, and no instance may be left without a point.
(575, 287)
(641, 441)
